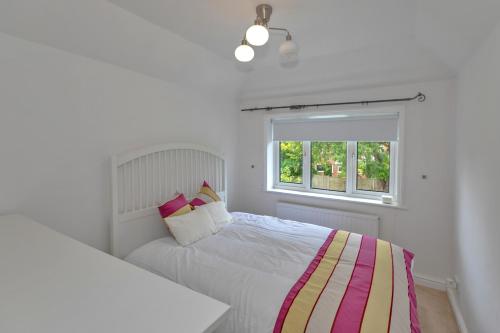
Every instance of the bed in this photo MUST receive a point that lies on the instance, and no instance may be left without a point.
(277, 275)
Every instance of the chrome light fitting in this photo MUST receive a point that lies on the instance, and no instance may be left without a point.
(258, 35)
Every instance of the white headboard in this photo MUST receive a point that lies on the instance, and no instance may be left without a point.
(144, 179)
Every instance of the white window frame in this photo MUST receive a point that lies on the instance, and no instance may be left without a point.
(395, 177)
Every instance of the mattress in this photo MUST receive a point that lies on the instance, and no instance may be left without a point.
(263, 266)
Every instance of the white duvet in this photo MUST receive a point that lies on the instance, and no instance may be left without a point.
(250, 264)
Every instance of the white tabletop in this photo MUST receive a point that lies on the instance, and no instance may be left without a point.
(50, 283)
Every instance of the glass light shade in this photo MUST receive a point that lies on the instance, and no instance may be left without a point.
(289, 49)
(257, 35)
(244, 53)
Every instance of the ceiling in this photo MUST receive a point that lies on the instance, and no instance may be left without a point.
(100, 30)
(449, 28)
(320, 27)
(343, 43)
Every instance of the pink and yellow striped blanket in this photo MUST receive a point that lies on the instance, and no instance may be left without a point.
(356, 284)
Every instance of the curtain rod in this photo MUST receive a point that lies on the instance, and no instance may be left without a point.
(419, 97)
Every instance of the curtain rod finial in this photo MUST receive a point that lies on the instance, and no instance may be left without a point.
(420, 97)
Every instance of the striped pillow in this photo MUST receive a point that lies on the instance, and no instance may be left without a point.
(175, 207)
(206, 195)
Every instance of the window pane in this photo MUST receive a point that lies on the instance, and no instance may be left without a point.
(374, 166)
(328, 166)
(291, 158)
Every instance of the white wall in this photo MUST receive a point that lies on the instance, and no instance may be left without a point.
(62, 116)
(425, 225)
(477, 227)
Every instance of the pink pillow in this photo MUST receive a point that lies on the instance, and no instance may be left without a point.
(175, 207)
(197, 202)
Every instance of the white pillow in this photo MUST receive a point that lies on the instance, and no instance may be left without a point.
(218, 213)
(191, 227)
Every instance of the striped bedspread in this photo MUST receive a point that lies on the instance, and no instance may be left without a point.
(356, 284)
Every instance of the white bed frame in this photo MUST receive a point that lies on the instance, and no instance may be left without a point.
(144, 179)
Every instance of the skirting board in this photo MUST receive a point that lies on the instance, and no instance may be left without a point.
(453, 297)
(429, 282)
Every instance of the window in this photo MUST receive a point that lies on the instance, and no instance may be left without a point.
(328, 166)
(354, 157)
(291, 162)
(373, 168)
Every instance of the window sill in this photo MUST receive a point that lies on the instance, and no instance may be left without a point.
(355, 200)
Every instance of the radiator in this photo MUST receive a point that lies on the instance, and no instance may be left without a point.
(331, 218)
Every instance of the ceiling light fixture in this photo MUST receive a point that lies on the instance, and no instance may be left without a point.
(289, 49)
(258, 35)
(244, 52)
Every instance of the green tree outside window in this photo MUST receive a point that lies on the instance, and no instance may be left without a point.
(291, 160)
